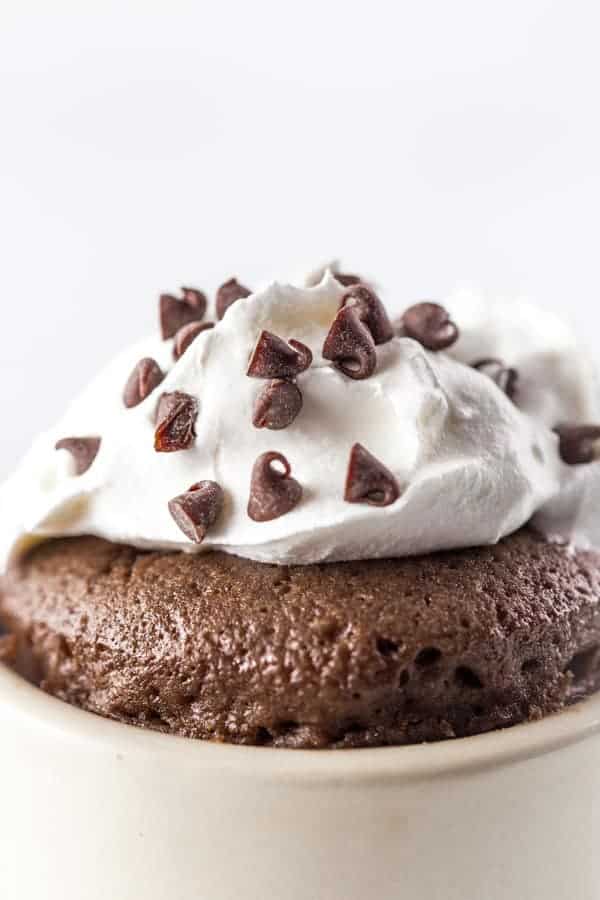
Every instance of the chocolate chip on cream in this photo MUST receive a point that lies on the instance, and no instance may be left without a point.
(273, 491)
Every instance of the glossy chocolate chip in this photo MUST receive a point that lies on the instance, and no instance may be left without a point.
(84, 451)
(349, 345)
(505, 377)
(275, 358)
(198, 509)
(187, 335)
(277, 405)
(273, 492)
(430, 325)
(370, 310)
(175, 312)
(146, 376)
(346, 279)
(578, 444)
(8, 648)
(228, 294)
(176, 420)
(368, 480)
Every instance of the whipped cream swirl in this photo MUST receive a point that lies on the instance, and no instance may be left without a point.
(472, 465)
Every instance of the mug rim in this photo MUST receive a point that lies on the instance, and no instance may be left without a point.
(25, 707)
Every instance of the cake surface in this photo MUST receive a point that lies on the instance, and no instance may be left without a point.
(370, 653)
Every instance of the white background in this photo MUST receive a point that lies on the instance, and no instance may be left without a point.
(147, 145)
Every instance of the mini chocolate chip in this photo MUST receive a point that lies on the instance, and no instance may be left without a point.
(505, 377)
(347, 280)
(368, 480)
(146, 376)
(187, 335)
(371, 311)
(194, 297)
(430, 325)
(578, 443)
(350, 345)
(84, 451)
(197, 509)
(228, 294)
(277, 405)
(176, 419)
(272, 493)
(175, 313)
(8, 648)
(274, 358)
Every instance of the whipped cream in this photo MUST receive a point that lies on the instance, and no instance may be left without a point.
(472, 466)
(557, 381)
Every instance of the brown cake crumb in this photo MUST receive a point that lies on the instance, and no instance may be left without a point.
(339, 655)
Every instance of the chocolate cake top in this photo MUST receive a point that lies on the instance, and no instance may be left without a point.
(346, 654)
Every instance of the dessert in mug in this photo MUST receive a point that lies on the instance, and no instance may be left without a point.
(289, 519)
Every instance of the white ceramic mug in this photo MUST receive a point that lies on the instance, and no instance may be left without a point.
(90, 809)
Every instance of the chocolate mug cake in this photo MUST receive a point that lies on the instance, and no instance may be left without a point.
(301, 524)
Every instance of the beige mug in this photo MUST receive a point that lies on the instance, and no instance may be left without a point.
(91, 809)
